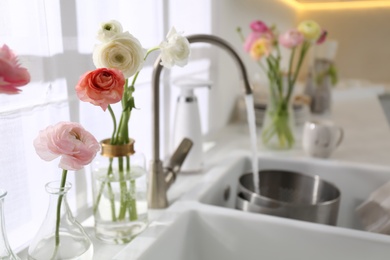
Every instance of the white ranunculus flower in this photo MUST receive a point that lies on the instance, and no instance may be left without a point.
(109, 30)
(175, 50)
(124, 52)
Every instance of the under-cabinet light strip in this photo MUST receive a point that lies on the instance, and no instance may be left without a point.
(356, 4)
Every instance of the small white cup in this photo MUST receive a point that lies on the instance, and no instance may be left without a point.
(321, 138)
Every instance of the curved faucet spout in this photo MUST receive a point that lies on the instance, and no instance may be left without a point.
(157, 178)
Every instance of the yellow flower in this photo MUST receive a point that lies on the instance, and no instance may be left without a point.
(260, 48)
(310, 30)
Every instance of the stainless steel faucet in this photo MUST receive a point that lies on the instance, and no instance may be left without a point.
(161, 179)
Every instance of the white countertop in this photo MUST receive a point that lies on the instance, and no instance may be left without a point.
(366, 141)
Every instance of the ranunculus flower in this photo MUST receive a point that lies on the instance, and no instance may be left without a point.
(310, 30)
(322, 37)
(101, 87)
(12, 75)
(259, 26)
(261, 47)
(109, 30)
(76, 146)
(259, 30)
(250, 39)
(175, 50)
(291, 38)
(123, 52)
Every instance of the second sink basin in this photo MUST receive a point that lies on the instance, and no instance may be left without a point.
(356, 182)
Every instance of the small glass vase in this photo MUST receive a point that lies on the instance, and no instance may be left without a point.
(60, 236)
(319, 88)
(6, 252)
(120, 205)
(278, 130)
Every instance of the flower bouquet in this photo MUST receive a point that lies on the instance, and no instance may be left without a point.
(263, 45)
(120, 206)
(61, 236)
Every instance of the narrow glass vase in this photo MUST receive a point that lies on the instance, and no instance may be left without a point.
(6, 252)
(60, 236)
(278, 130)
(119, 190)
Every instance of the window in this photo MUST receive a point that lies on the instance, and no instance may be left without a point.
(54, 40)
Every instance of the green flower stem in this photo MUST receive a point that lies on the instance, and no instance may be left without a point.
(274, 76)
(109, 173)
(125, 93)
(274, 95)
(123, 190)
(58, 217)
(112, 200)
(279, 126)
(290, 66)
(239, 31)
(114, 121)
(110, 192)
(304, 49)
(133, 206)
(146, 56)
(274, 66)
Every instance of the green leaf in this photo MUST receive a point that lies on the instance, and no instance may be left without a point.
(130, 104)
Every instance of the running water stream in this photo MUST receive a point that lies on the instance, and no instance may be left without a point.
(250, 108)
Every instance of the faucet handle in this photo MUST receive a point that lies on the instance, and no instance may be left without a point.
(177, 160)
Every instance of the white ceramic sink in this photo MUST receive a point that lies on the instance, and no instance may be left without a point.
(211, 233)
(203, 223)
(355, 182)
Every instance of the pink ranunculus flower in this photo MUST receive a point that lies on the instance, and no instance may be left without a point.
(255, 36)
(322, 37)
(101, 87)
(250, 39)
(76, 146)
(291, 38)
(259, 30)
(259, 26)
(12, 75)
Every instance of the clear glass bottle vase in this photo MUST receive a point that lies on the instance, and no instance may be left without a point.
(6, 252)
(60, 236)
(120, 193)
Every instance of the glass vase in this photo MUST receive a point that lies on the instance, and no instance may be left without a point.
(120, 193)
(6, 252)
(319, 88)
(278, 130)
(60, 236)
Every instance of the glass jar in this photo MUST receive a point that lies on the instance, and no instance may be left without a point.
(120, 205)
(6, 252)
(279, 129)
(60, 236)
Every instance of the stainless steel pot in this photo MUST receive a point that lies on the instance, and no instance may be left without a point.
(290, 195)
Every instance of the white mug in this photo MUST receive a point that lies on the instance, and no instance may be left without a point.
(321, 137)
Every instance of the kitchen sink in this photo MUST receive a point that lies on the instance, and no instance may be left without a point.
(209, 233)
(356, 182)
(204, 224)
